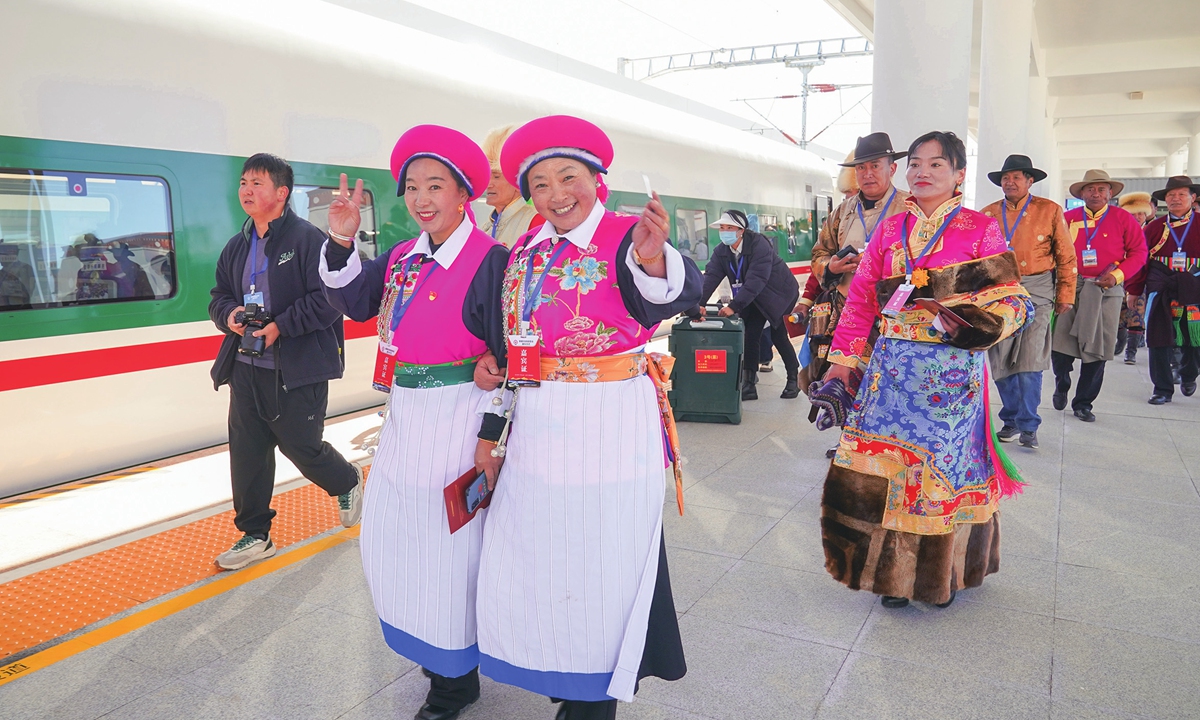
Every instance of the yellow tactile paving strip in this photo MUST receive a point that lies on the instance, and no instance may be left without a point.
(47, 605)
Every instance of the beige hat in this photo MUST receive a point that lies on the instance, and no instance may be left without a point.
(1136, 202)
(847, 182)
(1096, 176)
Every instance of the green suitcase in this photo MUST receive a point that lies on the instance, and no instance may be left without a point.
(706, 384)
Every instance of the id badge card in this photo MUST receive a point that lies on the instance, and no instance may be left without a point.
(899, 299)
(385, 367)
(524, 360)
(1179, 261)
(737, 287)
(1089, 258)
(254, 297)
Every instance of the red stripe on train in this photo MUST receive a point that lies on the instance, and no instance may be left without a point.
(68, 367)
(801, 269)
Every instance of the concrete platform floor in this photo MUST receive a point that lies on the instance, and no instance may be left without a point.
(1093, 615)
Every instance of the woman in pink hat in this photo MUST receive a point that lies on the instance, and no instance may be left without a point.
(434, 297)
(574, 596)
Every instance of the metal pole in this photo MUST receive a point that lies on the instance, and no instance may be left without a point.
(805, 69)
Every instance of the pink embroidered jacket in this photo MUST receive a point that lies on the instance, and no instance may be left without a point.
(970, 236)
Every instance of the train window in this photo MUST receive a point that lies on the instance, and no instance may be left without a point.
(691, 234)
(71, 238)
(791, 229)
(311, 202)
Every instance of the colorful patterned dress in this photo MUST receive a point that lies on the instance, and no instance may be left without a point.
(910, 501)
(573, 576)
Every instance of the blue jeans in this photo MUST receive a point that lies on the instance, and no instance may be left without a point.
(1021, 393)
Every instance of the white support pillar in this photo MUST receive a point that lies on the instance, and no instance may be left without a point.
(1175, 163)
(1193, 161)
(1003, 89)
(922, 69)
(1037, 133)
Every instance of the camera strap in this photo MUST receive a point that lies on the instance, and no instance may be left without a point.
(254, 387)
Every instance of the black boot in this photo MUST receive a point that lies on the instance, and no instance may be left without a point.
(749, 379)
(792, 389)
(1121, 335)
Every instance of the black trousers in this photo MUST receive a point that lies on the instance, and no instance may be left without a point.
(452, 693)
(755, 321)
(1091, 377)
(263, 416)
(1160, 368)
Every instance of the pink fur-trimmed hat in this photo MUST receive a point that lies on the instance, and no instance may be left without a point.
(553, 137)
(449, 147)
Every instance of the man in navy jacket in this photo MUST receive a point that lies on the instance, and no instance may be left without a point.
(763, 289)
(277, 399)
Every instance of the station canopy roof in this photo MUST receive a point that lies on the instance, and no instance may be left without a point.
(1123, 78)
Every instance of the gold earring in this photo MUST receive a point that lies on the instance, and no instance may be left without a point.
(460, 207)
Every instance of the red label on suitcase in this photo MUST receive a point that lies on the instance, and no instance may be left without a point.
(710, 361)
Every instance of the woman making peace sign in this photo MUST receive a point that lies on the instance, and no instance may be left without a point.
(435, 297)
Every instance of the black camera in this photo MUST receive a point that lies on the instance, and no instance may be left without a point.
(254, 317)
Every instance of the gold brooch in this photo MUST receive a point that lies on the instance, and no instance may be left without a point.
(920, 277)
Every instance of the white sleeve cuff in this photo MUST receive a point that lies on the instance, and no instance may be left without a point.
(487, 403)
(659, 291)
(338, 279)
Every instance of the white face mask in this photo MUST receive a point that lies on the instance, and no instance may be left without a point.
(729, 237)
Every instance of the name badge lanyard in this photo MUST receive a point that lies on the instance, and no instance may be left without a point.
(532, 294)
(882, 215)
(1178, 239)
(255, 271)
(401, 305)
(910, 262)
(1008, 236)
(1090, 236)
(737, 273)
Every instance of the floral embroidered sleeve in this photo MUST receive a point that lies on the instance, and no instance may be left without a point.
(991, 242)
(1013, 311)
(849, 345)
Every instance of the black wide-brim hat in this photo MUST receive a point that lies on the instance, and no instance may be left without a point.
(1017, 162)
(1173, 183)
(873, 147)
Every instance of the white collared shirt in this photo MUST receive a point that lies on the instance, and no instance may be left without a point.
(659, 291)
(449, 249)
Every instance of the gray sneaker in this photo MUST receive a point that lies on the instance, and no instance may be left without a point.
(1008, 433)
(1029, 440)
(244, 552)
(350, 503)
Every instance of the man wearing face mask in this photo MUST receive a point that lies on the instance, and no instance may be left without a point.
(763, 289)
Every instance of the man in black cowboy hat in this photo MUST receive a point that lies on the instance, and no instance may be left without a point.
(1170, 276)
(850, 226)
(1035, 230)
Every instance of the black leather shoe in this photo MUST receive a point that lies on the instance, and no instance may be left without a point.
(1085, 415)
(831, 453)
(433, 712)
(1188, 388)
(791, 390)
(1157, 399)
(1059, 400)
(749, 392)
(893, 603)
(949, 602)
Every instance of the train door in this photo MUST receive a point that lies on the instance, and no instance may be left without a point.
(822, 208)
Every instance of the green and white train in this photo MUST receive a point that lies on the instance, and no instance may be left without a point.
(123, 128)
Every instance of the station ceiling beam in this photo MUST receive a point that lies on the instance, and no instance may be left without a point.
(795, 54)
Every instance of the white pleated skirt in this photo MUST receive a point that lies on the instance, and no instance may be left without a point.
(571, 544)
(423, 579)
